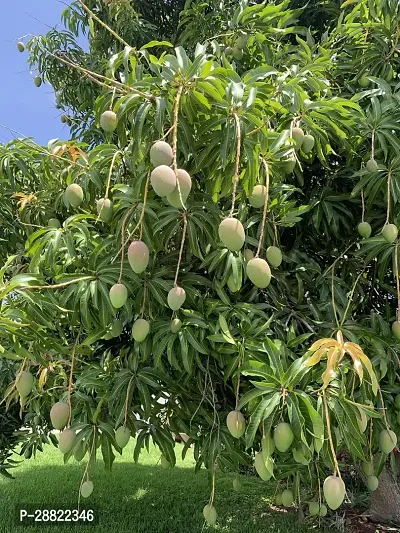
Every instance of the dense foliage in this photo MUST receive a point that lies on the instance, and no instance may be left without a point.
(313, 347)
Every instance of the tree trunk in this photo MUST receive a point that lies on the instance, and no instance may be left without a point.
(385, 501)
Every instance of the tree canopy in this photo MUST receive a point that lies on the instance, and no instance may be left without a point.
(282, 132)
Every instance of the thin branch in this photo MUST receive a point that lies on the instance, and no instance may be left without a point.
(97, 19)
(259, 128)
(337, 259)
(181, 248)
(237, 162)
(40, 149)
(54, 287)
(264, 216)
(96, 78)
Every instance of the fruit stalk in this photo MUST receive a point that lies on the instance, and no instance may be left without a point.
(383, 408)
(70, 378)
(363, 206)
(128, 391)
(351, 297)
(175, 141)
(140, 222)
(144, 299)
(396, 266)
(264, 215)
(370, 440)
(85, 473)
(389, 179)
(328, 425)
(181, 248)
(333, 299)
(212, 488)
(372, 143)
(129, 212)
(114, 158)
(237, 163)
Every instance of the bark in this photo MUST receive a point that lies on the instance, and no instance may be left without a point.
(385, 501)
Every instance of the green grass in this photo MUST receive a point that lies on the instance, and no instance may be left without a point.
(142, 498)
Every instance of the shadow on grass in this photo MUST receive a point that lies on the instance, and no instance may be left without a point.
(144, 499)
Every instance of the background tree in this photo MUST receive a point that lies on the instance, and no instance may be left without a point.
(234, 99)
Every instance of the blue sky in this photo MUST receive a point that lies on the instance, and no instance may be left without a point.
(24, 107)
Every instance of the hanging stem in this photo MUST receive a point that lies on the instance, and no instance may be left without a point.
(363, 205)
(175, 141)
(97, 19)
(108, 181)
(139, 224)
(213, 487)
(166, 134)
(383, 409)
(370, 440)
(388, 197)
(237, 163)
(112, 99)
(351, 297)
(396, 266)
(130, 210)
(328, 425)
(238, 384)
(71, 377)
(181, 248)
(333, 299)
(373, 143)
(319, 483)
(144, 299)
(127, 399)
(264, 215)
(275, 231)
(85, 473)
(58, 286)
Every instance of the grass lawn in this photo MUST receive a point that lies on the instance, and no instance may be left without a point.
(142, 498)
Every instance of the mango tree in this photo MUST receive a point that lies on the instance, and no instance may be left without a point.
(214, 252)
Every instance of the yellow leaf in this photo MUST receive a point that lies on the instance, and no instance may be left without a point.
(316, 357)
(370, 370)
(42, 378)
(322, 342)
